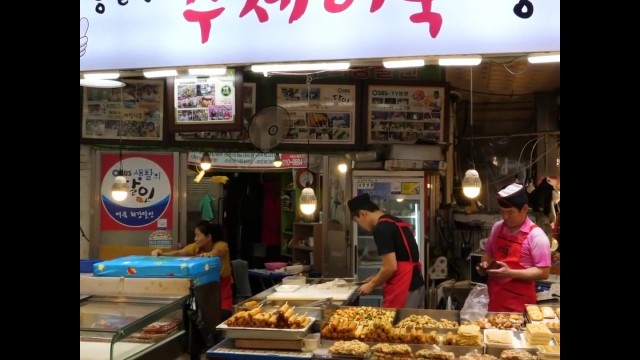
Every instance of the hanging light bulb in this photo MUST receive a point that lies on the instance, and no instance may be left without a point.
(277, 162)
(471, 184)
(119, 189)
(308, 201)
(205, 161)
(342, 167)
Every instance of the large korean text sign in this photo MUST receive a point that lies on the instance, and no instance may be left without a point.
(125, 34)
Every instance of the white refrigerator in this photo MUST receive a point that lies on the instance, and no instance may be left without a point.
(397, 193)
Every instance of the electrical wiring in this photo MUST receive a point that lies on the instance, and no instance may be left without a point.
(511, 175)
(84, 235)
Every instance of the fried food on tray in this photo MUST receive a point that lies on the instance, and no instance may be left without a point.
(548, 312)
(516, 354)
(534, 313)
(476, 356)
(428, 354)
(352, 347)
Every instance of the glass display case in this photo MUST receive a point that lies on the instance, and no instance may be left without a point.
(131, 328)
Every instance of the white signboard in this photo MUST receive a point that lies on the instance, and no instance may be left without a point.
(135, 34)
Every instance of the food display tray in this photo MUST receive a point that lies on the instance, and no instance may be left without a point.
(264, 333)
(457, 350)
(323, 353)
(518, 342)
(492, 313)
(545, 320)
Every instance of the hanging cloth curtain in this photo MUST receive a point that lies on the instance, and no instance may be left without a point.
(206, 207)
(270, 214)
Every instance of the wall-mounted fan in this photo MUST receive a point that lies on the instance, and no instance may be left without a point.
(268, 127)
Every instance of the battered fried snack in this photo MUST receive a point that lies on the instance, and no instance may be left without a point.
(428, 354)
(516, 354)
(352, 347)
(476, 356)
(548, 312)
(469, 335)
(534, 313)
(502, 337)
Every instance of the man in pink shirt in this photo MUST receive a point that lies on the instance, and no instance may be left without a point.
(517, 253)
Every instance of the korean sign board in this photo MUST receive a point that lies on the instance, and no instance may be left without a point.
(136, 34)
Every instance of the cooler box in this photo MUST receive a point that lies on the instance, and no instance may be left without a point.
(86, 265)
(200, 270)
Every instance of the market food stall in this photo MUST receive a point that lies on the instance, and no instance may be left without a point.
(259, 331)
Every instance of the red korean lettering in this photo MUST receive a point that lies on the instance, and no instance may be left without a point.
(332, 7)
(299, 8)
(252, 5)
(204, 18)
(434, 19)
(376, 5)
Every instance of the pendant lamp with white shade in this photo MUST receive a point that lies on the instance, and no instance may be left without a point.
(471, 183)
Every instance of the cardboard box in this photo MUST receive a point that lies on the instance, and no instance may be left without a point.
(403, 164)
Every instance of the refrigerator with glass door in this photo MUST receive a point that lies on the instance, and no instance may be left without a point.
(397, 193)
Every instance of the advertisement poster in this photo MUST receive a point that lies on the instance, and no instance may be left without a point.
(205, 99)
(132, 112)
(404, 114)
(319, 114)
(150, 182)
(239, 136)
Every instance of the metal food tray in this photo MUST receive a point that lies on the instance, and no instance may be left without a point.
(493, 313)
(329, 311)
(545, 320)
(457, 350)
(519, 342)
(264, 333)
(323, 353)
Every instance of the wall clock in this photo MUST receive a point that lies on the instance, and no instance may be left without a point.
(305, 177)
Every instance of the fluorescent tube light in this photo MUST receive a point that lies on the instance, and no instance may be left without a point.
(101, 83)
(211, 71)
(266, 68)
(159, 73)
(543, 58)
(460, 61)
(395, 64)
(102, 75)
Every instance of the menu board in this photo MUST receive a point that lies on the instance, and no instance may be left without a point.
(319, 114)
(404, 114)
(132, 112)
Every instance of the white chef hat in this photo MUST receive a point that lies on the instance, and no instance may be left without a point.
(512, 195)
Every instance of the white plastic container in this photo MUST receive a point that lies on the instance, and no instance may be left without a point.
(294, 280)
(287, 288)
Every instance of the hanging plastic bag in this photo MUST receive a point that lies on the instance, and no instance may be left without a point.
(476, 305)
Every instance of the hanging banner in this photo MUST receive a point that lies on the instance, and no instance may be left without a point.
(149, 199)
(262, 161)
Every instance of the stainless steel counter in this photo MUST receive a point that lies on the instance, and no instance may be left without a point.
(348, 296)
